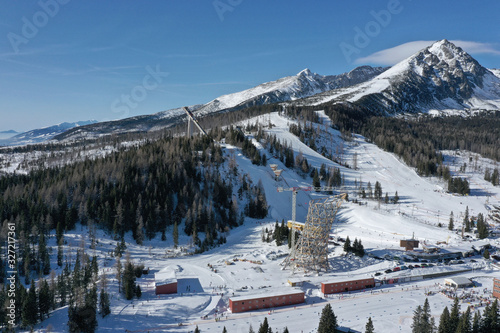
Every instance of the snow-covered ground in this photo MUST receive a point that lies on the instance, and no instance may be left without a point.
(206, 281)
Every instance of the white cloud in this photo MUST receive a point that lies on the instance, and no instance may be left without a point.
(476, 48)
(395, 54)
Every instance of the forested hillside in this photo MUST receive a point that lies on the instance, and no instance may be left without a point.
(418, 140)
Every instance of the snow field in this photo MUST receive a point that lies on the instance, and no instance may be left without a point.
(204, 290)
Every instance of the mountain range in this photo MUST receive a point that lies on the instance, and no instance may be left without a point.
(42, 134)
(441, 78)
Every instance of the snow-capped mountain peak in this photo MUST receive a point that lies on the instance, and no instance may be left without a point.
(305, 72)
(440, 77)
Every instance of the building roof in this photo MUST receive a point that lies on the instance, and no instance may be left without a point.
(338, 279)
(276, 293)
(165, 276)
(459, 280)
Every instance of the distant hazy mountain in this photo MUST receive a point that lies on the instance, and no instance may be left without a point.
(7, 134)
(441, 77)
(42, 134)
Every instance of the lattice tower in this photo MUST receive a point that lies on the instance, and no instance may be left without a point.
(311, 251)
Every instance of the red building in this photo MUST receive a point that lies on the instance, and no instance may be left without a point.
(165, 282)
(496, 288)
(345, 286)
(270, 300)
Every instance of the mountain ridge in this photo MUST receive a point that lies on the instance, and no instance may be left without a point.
(285, 89)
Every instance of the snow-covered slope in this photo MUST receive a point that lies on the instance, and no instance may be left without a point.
(290, 88)
(439, 77)
(495, 71)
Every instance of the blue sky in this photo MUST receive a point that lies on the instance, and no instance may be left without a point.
(71, 60)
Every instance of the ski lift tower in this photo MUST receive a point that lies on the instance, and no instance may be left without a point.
(294, 191)
(311, 251)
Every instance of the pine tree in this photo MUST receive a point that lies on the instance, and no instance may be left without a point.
(44, 299)
(138, 291)
(444, 321)
(328, 320)
(486, 254)
(454, 316)
(378, 190)
(466, 219)
(347, 245)
(386, 199)
(495, 177)
(476, 323)
(427, 320)
(355, 246)
(491, 320)
(286, 330)
(83, 318)
(224, 330)
(495, 318)
(104, 303)
(29, 311)
(129, 279)
(264, 327)
(451, 224)
(482, 227)
(464, 325)
(369, 326)
(417, 325)
(316, 181)
(197, 330)
(396, 198)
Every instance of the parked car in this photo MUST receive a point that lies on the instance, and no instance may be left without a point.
(403, 268)
(417, 266)
(411, 266)
(396, 269)
(387, 271)
(378, 273)
(424, 265)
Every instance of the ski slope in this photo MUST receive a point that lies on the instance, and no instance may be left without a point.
(206, 281)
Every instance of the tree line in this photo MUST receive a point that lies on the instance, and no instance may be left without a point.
(455, 322)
